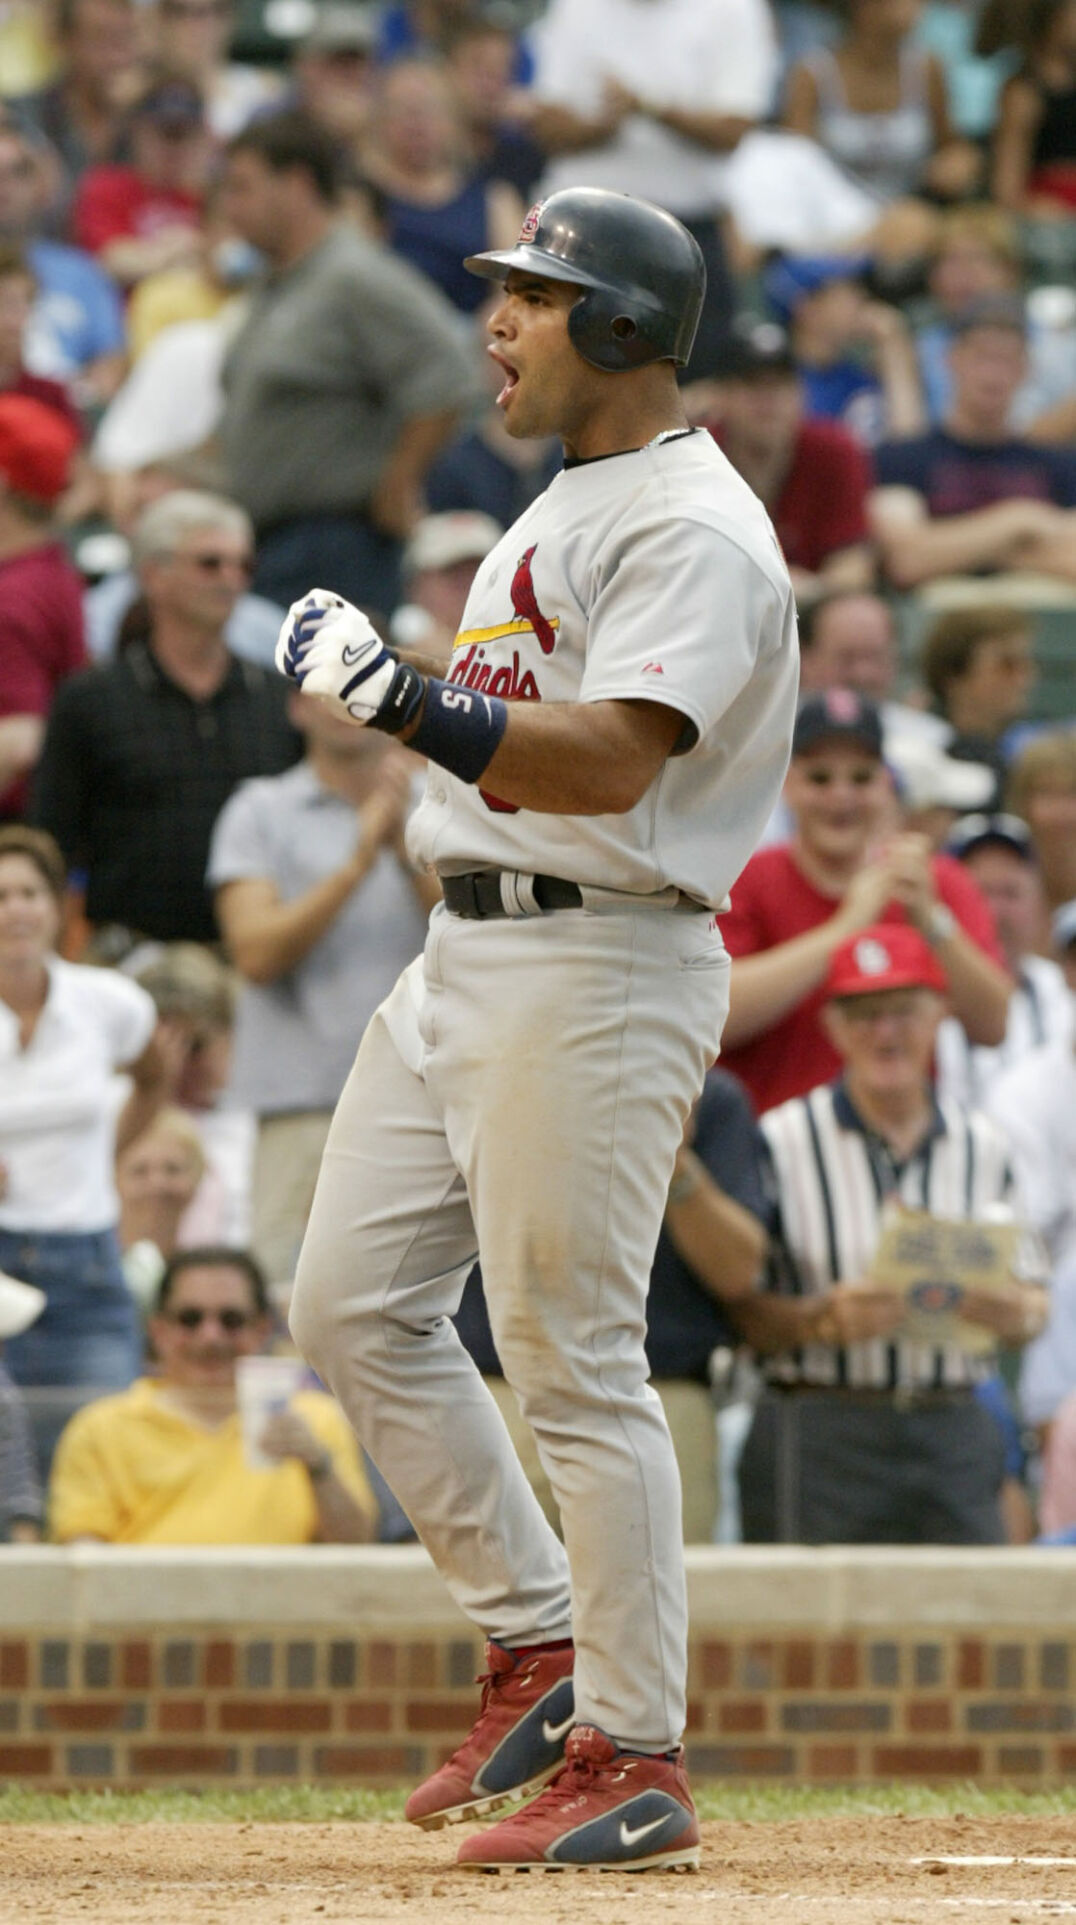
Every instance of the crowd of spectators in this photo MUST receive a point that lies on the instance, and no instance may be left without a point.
(239, 355)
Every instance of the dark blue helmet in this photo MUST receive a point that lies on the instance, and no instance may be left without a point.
(641, 272)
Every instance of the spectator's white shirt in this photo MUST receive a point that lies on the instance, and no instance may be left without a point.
(1035, 1104)
(708, 56)
(1040, 1012)
(171, 401)
(57, 1113)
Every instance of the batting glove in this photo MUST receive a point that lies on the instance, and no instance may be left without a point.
(330, 649)
(300, 625)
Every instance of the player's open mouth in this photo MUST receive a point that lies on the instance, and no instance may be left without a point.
(511, 377)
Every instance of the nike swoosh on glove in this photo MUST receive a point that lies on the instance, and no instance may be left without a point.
(302, 622)
(336, 654)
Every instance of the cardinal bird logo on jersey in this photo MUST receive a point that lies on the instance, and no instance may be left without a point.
(525, 603)
(480, 657)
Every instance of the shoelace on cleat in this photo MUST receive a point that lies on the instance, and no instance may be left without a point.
(576, 1776)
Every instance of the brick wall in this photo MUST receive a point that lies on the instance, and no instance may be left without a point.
(160, 1668)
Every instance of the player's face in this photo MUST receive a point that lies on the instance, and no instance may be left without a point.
(209, 1322)
(548, 388)
(838, 794)
(886, 1039)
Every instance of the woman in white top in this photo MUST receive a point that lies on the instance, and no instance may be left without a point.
(64, 1032)
(878, 104)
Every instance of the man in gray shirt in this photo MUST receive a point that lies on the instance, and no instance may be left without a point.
(320, 910)
(342, 384)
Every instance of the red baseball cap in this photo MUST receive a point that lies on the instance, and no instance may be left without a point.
(36, 446)
(889, 955)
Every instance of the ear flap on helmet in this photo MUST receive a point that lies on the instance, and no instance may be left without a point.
(615, 331)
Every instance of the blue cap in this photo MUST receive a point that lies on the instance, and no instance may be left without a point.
(791, 279)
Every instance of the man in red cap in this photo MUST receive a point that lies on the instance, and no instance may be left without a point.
(843, 868)
(42, 638)
(862, 1436)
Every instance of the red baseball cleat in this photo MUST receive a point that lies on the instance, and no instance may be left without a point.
(516, 1744)
(607, 1810)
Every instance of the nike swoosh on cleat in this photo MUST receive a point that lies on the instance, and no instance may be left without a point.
(553, 1733)
(630, 1836)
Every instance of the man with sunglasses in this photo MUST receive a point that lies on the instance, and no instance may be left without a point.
(163, 1462)
(143, 752)
(847, 864)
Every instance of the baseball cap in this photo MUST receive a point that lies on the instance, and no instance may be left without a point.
(927, 778)
(752, 350)
(171, 103)
(984, 831)
(337, 29)
(440, 541)
(36, 446)
(885, 956)
(1063, 926)
(794, 278)
(840, 713)
(20, 1305)
(992, 311)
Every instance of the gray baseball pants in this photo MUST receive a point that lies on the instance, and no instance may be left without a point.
(523, 1091)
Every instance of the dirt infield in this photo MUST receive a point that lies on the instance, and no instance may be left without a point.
(818, 1871)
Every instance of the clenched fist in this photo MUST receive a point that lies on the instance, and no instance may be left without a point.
(330, 649)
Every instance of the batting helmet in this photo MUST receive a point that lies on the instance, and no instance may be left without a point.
(642, 274)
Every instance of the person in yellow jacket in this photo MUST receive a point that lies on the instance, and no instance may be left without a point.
(164, 1462)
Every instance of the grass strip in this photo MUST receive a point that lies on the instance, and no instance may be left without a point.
(320, 1804)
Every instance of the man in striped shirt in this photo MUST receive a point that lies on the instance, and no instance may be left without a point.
(862, 1436)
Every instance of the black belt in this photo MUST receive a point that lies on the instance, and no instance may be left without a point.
(477, 894)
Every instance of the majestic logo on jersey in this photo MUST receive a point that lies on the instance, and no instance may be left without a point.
(530, 221)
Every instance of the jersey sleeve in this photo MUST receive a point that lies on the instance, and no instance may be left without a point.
(679, 619)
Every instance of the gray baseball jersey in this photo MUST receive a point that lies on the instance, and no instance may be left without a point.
(654, 575)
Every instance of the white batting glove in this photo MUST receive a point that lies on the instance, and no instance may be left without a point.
(329, 649)
(300, 625)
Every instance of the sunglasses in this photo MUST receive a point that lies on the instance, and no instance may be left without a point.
(191, 1318)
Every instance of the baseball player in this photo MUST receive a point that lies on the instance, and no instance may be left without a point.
(605, 750)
